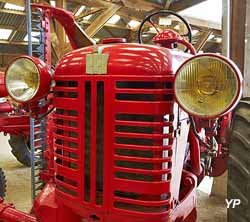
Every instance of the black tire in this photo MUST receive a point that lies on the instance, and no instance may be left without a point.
(20, 149)
(2, 184)
(239, 164)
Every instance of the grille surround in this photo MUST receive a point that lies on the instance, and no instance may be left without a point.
(120, 195)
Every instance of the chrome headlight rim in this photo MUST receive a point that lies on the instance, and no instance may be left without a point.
(38, 77)
(237, 74)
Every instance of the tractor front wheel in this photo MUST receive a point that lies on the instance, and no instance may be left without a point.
(2, 184)
(20, 149)
(239, 165)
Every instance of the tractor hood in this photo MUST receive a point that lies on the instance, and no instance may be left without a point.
(125, 59)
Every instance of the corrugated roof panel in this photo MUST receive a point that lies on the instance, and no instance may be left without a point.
(10, 19)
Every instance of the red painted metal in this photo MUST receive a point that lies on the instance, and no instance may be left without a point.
(114, 40)
(67, 20)
(3, 90)
(9, 214)
(195, 154)
(225, 123)
(47, 38)
(5, 107)
(17, 124)
(168, 37)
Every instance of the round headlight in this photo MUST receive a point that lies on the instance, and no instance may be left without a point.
(22, 79)
(208, 86)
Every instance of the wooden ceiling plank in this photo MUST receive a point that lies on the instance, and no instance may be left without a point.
(168, 4)
(92, 3)
(141, 4)
(184, 4)
(102, 19)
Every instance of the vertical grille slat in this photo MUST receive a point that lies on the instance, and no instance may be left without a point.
(93, 143)
(87, 137)
(99, 141)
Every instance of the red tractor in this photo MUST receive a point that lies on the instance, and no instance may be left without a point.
(135, 128)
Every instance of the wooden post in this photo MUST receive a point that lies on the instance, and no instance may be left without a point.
(220, 183)
(246, 89)
(59, 29)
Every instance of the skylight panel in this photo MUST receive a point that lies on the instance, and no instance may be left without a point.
(5, 34)
(96, 40)
(53, 3)
(195, 32)
(33, 37)
(114, 19)
(165, 21)
(13, 7)
(87, 17)
(80, 10)
(134, 24)
(203, 11)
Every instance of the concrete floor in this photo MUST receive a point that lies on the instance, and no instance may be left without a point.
(18, 188)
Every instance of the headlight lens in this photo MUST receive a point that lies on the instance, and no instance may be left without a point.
(22, 79)
(207, 86)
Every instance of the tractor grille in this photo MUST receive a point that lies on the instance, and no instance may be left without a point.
(143, 146)
(113, 142)
(66, 138)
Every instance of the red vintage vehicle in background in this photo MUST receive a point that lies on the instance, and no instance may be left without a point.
(134, 130)
(15, 122)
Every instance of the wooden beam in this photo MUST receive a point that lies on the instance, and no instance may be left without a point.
(202, 40)
(102, 19)
(89, 12)
(139, 16)
(168, 4)
(141, 4)
(15, 2)
(9, 11)
(20, 28)
(203, 23)
(59, 28)
(237, 45)
(246, 89)
(92, 3)
(15, 43)
(183, 4)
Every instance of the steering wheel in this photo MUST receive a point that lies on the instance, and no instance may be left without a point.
(166, 13)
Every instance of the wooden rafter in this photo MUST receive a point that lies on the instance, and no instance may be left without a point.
(89, 12)
(202, 40)
(14, 42)
(168, 4)
(141, 4)
(102, 19)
